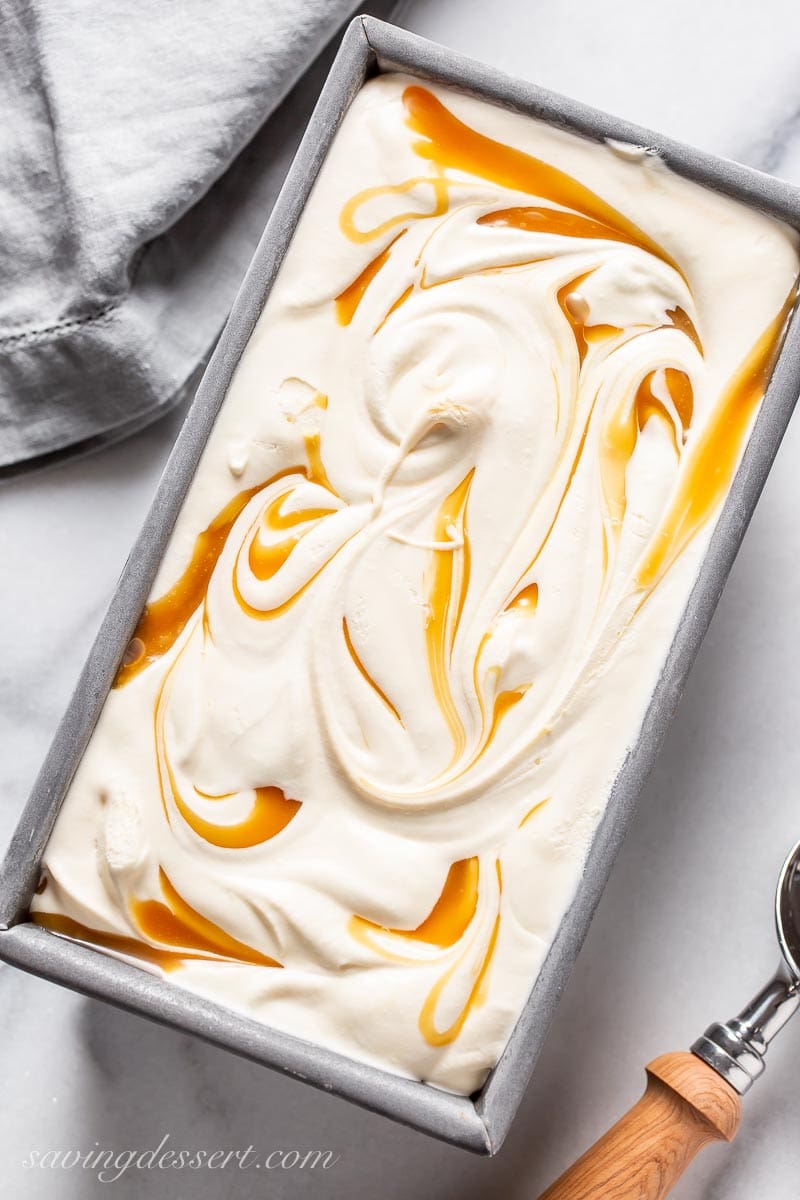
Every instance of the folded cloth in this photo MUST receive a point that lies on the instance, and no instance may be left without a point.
(118, 118)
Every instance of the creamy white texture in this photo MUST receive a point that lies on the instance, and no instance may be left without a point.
(442, 606)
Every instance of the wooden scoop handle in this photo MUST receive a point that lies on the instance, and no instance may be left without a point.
(686, 1105)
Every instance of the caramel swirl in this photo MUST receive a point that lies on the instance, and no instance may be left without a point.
(171, 933)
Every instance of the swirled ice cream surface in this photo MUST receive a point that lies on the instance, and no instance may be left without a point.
(424, 582)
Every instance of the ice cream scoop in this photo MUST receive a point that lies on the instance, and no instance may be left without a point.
(692, 1099)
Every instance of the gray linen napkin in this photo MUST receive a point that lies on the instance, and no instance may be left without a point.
(118, 258)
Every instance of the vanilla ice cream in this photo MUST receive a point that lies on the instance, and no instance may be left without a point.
(424, 582)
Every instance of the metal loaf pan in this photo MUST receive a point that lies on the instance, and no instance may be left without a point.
(479, 1122)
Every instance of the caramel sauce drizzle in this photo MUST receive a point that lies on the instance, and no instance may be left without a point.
(503, 703)
(317, 400)
(526, 601)
(362, 670)
(167, 960)
(265, 560)
(679, 386)
(621, 432)
(576, 312)
(393, 307)
(347, 302)
(572, 471)
(452, 914)
(270, 813)
(445, 924)
(575, 318)
(558, 222)
(163, 620)
(447, 582)
(647, 405)
(682, 321)
(269, 614)
(174, 924)
(347, 218)
(448, 142)
(316, 472)
(444, 927)
(427, 1018)
(715, 456)
(531, 813)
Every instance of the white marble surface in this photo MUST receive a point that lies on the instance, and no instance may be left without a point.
(683, 934)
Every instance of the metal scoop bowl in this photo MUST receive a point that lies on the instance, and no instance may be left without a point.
(736, 1049)
(693, 1099)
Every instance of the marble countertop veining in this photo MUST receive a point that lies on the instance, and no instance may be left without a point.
(683, 934)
